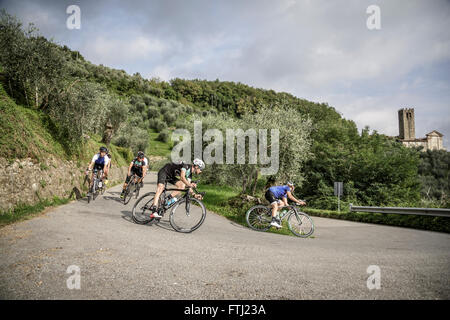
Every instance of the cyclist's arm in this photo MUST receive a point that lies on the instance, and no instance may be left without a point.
(129, 169)
(291, 197)
(144, 169)
(90, 166)
(183, 178)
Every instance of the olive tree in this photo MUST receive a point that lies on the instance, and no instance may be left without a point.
(281, 132)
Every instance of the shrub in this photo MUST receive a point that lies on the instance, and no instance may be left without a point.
(163, 136)
(157, 124)
(153, 113)
(170, 118)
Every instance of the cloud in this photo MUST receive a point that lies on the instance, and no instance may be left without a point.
(317, 50)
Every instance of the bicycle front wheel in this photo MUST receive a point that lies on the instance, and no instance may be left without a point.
(131, 187)
(95, 189)
(187, 215)
(259, 218)
(300, 224)
(141, 209)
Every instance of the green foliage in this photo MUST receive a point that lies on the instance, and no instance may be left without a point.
(375, 169)
(34, 66)
(434, 172)
(293, 150)
(441, 224)
(163, 136)
(131, 136)
(125, 153)
(25, 211)
(23, 132)
(157, 124)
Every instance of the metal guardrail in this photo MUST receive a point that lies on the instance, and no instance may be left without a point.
(434, 212)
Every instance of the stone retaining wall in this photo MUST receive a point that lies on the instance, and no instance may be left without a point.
(25, 181)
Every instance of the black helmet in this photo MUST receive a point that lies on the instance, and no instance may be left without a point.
(140, 154)
(103, 149)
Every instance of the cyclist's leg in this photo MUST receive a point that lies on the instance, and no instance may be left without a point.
(273, 202)
(105, 172)
(274, 206)
(161, 182)
(127, 180)
(159, 191)
(180, 185)
(102, 168)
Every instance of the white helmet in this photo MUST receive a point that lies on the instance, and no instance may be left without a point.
(199, 163)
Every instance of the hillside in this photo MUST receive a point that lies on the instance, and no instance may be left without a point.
(55, 102)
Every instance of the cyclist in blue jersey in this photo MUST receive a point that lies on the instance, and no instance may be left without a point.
(277, 196)
(99, 162)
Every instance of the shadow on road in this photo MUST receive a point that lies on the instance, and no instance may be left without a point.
(113, 198)
(163, 223)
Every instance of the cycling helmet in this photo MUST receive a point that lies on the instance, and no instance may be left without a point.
(103, 149)
(140, 154)
(289, 183)
(199, 163)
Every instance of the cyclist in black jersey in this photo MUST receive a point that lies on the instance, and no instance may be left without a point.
(180, 175)
(139, 166)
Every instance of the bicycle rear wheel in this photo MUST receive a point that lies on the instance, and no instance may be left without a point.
(141, 209)
(300, 224)
(187, 215)
(259, 218)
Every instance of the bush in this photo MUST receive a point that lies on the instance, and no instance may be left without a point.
(153, 113)
(157, 124)
(125, 153)
(165, 109)
(170, 118)
(163, 136)
(132, 137)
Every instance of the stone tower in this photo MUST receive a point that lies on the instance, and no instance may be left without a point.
(406, 125)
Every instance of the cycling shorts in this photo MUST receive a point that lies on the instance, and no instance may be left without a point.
(165, 176)
(271, 197)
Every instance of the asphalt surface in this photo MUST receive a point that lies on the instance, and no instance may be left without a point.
(119, 259)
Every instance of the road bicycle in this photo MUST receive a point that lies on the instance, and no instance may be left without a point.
(97, 185)
(132, 188)
(186, 214)
(259, 218)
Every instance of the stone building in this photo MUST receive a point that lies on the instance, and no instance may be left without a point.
(407, 133)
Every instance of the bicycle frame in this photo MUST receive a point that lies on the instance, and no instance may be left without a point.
(96, 175)
(162, 198)
(287, 211)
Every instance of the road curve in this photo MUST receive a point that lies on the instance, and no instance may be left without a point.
(118, 259)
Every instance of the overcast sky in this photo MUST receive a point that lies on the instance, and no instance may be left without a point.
(318, 50)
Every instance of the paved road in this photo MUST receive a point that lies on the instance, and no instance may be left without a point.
(121, 260)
